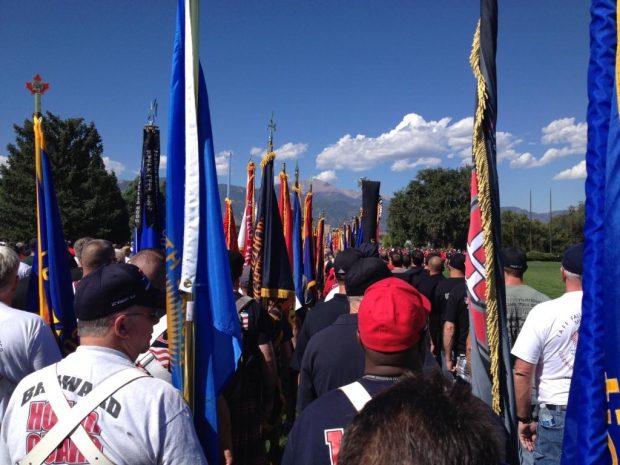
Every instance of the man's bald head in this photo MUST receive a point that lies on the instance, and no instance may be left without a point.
(152, 262)
(435, 265)
(96, 253)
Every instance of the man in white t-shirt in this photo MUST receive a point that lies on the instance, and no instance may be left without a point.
(546, 348)
(141, 420)
(26, 343)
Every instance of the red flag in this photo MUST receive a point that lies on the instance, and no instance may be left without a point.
(230, 229)
(246, 232)
(284, 205)
(320, 259)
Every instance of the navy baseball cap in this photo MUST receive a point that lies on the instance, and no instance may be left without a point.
(457, 261)
(113, 288)
(514, 258)
(345, 260)
(364, 273)
(573, 259)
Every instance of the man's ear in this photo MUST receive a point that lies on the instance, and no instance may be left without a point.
(120, 326)
(15, 283)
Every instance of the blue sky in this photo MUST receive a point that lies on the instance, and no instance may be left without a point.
(358, 88)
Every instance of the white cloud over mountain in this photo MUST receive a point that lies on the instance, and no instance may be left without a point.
(412, 139)
(326, 176)
(576, 172)
(417, 143)
(288, 151)
(113, 166)
(163, 162)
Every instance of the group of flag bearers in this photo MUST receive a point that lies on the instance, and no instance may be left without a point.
(286, 255)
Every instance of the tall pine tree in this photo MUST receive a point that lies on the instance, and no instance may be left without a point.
(89, 198)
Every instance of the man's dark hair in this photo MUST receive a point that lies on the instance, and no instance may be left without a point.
(406, 261)
(417, 257)
(424, 420)
(96, 253)
(397, 259)
(515, 273)
(235, 260)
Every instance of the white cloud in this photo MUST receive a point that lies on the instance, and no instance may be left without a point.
(221, 163)
(571, 138)
(576, 172)
(3, 160)
(326, 176)
(113, 166)
(288, 151)
(163, 162)
(406, 164)
(412, 138)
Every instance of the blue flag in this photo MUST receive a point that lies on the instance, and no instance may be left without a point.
(591, 433)
(298, 265)
(50, 290)
(197, 259)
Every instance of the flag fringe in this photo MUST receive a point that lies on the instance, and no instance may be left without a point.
(480, 157)
(267, 158)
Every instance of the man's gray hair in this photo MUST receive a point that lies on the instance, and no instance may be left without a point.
(95, 328)
(9, 263)
(571, 275)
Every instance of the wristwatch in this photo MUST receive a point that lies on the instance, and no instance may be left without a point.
(525, 420)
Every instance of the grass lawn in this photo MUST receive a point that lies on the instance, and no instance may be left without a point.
(545, 277)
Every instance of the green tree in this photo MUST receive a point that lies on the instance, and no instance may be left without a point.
(89, 199)
(433, 208)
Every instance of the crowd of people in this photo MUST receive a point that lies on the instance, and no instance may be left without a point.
(376, 371)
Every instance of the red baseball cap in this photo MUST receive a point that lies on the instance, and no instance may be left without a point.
(392, 315)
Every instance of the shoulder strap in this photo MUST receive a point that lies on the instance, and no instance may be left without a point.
(242, 301)
(357, 395)
(73, 416)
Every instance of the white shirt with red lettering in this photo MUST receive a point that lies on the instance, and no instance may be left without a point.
(26, 345)
(145, 422)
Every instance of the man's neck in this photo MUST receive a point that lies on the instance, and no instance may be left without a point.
(512, 280)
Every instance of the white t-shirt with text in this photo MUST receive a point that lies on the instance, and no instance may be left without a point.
(145, 422)
(548, 340)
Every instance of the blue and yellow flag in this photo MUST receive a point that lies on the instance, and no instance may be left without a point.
(50, 291)
(197, 268)
(592, 433)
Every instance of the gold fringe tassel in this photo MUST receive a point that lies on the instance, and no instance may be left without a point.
(484, 198)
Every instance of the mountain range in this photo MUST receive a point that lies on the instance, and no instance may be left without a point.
(337, 205)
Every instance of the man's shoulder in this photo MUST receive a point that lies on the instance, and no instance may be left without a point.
(16, 317)
(525, 291)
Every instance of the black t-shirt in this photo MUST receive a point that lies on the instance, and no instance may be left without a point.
(438, 308)
(317, 432)
(426, 284)
(256, 325)
(457, 312)
(319, 317)
(334, 357)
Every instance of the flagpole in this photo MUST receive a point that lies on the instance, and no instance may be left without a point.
(189, 330)
(37, 88)
(229, 173)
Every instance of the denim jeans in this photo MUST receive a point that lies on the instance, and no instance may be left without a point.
(549, 435)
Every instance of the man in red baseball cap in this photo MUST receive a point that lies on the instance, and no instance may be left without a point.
(392, 320)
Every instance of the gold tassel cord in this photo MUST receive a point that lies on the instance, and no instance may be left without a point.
(484, 197)
(270, 156)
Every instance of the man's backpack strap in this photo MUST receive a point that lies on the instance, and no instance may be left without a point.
(357, 395)
(242, 301)
(69, 418)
